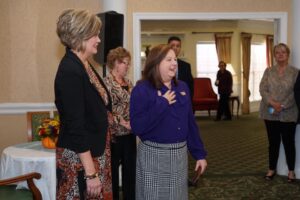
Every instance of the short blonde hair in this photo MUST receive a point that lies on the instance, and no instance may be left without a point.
(117, 54)
(282, 46)
(76, 26)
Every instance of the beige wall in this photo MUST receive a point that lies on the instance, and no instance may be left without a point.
(13, 130)
(207, 5)
(30, 50)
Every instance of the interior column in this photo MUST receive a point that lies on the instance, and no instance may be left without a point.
(282, 168)
(295, 60)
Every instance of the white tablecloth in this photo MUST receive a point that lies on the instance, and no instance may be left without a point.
(282, 168)
(31, 157)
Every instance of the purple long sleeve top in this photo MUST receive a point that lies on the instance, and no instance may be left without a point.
(153, 119)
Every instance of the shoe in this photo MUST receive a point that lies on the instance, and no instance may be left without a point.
(291, 179)
(269, 177)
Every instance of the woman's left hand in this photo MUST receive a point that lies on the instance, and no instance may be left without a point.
(201, 165)
(276, 105)
(125, 123)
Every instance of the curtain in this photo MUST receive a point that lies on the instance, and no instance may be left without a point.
(269, 44)
(223, 46)
(246, 55)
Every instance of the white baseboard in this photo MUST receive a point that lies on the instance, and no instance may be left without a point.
(22, 108)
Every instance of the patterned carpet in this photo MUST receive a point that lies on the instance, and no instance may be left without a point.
(237, 161)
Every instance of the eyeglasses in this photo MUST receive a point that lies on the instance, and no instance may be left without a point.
(125, 63)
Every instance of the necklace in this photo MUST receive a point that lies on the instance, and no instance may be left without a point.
(120, 81)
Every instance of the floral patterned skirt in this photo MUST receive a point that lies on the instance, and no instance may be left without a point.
(70, 174)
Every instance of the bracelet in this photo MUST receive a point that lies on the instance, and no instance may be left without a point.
(92, 176)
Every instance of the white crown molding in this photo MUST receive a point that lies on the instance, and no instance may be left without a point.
(22, 108)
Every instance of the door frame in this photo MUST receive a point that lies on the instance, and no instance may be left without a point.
(279, 19)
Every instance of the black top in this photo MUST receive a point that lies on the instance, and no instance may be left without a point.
(82, 111)
(185, 74)
(297, 95)
(225, 82)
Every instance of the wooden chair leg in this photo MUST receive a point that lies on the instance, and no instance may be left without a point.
(29, 178)
(35, 191)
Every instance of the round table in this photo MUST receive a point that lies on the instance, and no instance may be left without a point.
(31, 157)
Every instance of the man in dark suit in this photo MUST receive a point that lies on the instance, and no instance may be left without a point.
(184, 68)
(224, 84)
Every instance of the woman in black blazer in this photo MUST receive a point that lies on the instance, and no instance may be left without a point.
(84, 105)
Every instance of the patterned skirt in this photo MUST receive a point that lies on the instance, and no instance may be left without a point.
(161, 171)
(70, 174)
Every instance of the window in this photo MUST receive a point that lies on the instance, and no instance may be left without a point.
(258, 64)
(207, 61)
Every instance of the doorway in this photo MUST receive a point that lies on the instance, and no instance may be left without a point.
(279, 19)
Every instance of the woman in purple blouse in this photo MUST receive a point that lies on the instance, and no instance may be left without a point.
(161, 116)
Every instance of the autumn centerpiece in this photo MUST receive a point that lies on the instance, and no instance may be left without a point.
(48, 131)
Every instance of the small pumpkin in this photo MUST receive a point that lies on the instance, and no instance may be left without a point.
(49, 143)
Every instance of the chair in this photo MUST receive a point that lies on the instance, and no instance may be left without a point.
(34, 119)
(8, 191)
(204, 96)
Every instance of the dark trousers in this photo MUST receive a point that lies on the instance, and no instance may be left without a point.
(123, 152)
(223, 107)
(278, 131)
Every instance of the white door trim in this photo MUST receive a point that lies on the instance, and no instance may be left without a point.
(279, 18)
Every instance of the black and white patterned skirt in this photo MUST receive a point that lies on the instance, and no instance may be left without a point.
(161, 171)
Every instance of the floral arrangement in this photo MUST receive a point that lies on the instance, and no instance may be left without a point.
(49, 128)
